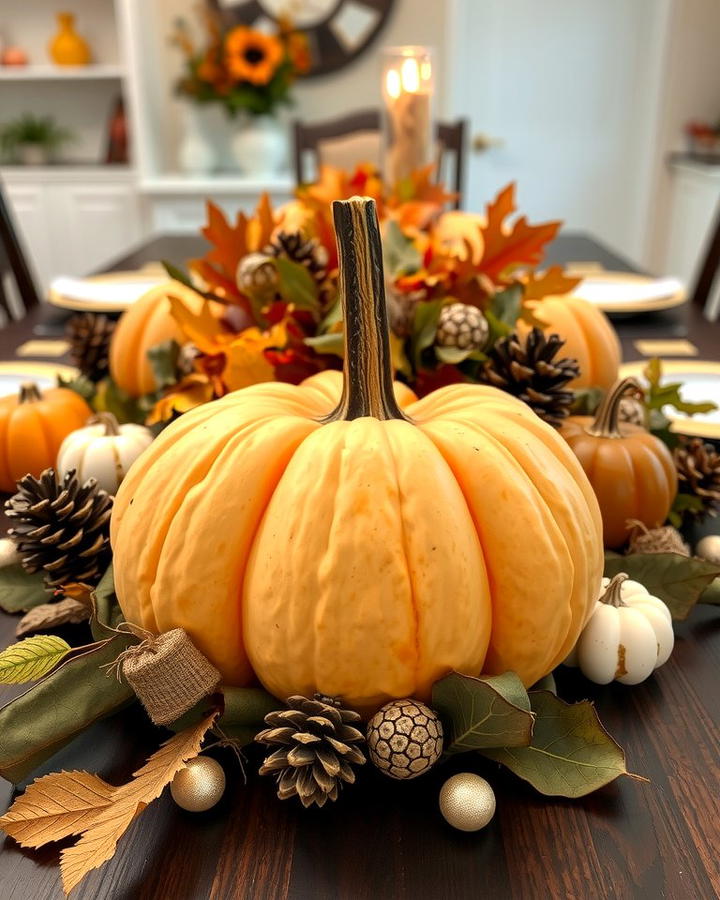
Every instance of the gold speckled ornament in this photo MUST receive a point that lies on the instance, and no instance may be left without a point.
(198, 786)
(467, 802)
(404, 738)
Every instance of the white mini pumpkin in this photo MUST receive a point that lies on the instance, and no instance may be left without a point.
(103, 450)
(627, 637)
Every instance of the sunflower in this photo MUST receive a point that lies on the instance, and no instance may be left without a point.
(251, 55)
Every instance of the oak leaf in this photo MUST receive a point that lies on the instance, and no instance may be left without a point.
(509, 245)
(99, 841)
(548, 283)
(50, 615)
(55, 807)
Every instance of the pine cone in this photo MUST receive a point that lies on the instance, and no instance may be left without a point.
(462, 326)
(62, 530)
(317, 748)
(89, 336)
(698, 470)
(308, 252)
(527, 368)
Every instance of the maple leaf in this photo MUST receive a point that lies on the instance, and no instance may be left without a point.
(508, 245)
(193, 390)
(246, 363)
(550, 282)
(55, 807)
(99, 840)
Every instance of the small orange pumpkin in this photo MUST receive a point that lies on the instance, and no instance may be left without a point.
(589, 338)
(145, 324)
(631, 471)
(33, 425)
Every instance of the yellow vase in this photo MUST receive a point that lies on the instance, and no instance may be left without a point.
(67, 48)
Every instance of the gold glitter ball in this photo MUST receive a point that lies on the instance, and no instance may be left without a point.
(467, 802)
(200, 785)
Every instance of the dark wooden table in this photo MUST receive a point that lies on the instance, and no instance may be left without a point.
(387, 840)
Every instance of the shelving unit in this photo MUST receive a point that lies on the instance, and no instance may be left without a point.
(94, 72)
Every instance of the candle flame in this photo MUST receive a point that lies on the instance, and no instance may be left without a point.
(392, 83)
(410, 75)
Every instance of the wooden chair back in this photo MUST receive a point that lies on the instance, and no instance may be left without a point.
(702, 293)
(14, 262)
(309, 137)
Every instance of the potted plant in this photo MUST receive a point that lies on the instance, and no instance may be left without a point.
(32, 140)
(250, 73)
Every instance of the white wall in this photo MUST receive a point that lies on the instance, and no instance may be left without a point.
(353, 87)
(690, 90)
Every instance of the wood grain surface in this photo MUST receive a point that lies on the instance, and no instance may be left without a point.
(387, 840)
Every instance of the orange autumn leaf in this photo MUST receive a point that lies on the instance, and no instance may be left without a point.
(550, 282)
(191, 391)
(201, 328)
(230, 243)
(508, 245)
(245, 357)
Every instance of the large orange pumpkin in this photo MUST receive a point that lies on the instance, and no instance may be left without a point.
(33, 425)
(631, 471)
(324, 539)
(589, 338)
(145, 324)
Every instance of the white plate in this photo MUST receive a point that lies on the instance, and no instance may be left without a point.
(624, 292)
(113, 292)
(701, 382)
(44, 374)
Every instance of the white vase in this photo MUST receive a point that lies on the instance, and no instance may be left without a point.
(260, 147)
(196, 153)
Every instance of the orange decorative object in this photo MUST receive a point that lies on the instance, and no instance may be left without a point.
(342, 537)
(14, 56)
(589, 338)
(67, 48)
(631, 471)
(33, 425)
(146, 323)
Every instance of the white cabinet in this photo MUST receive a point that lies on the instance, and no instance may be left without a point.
(73, 221)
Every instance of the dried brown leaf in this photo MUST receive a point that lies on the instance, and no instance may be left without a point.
(56, 806)
(50, 615)
(99, 841)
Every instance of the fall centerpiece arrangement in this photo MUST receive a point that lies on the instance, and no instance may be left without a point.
(248, 73)
(363, 534)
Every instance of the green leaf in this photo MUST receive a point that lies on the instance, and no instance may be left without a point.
(711, 594)
(677, 580)
(243, 715)
(586, 401)
(497, 328)
(660, 395)
(570, 755)
(107, 614)
(489, 711)
(32, 658)
(685, 503)
(296, 285)
(427, 313)
(334, 343)
(505, 305)
(163, 359)
(177, 274)
(39, 722)
(111, 398)
(81, 384)
(400, 255)
(452, 355)
(20, 591)
(545, 684)
(334, 316)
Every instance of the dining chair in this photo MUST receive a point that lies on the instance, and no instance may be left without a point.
(13, 263)
(702, 293)
(309, 138)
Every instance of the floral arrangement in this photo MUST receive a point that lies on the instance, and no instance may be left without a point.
(243, 69)
(467, 306)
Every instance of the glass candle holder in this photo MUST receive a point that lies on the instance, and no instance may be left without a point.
(407, 88)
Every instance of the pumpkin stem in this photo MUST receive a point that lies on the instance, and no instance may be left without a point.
(367, 370)
(613, 592)
(29, 392)
(605, 423)
(112, 429)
